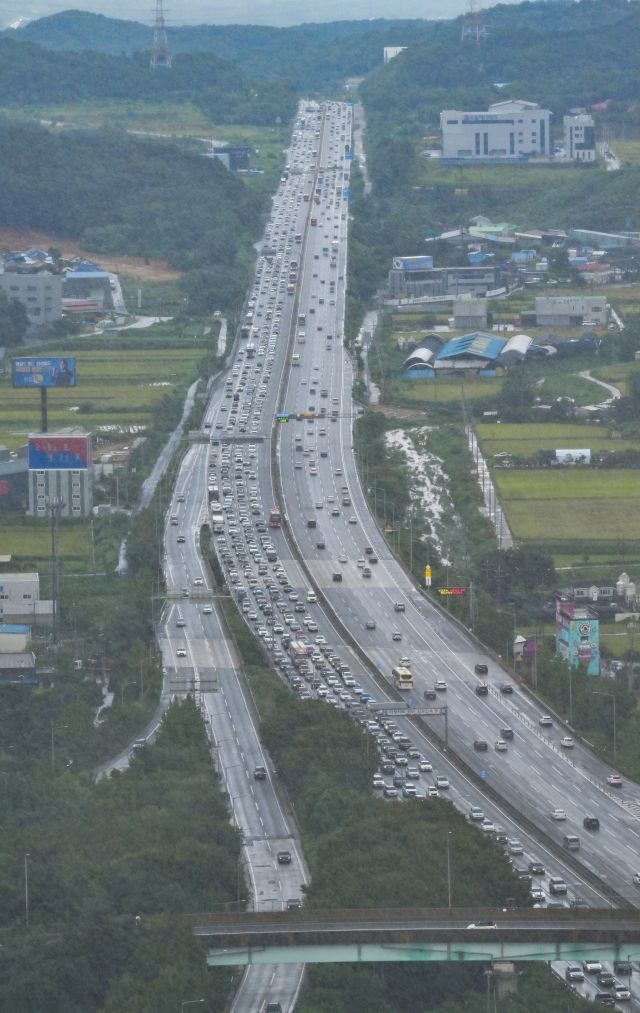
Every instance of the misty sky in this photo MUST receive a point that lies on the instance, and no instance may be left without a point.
(264, 12)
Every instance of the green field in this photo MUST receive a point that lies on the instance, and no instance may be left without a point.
(116, 388)
(526, 439)
(29, 542)
(589, 505)
(443, 389)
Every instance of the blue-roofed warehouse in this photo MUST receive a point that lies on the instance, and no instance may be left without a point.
(478, 352)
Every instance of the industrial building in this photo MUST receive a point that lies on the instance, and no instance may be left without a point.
(476, 280)
(477, 353)
(390, 52)
(513, 129)
(579, 137)
(470, 314)
(20, 599)
(571, 310)
(40, 294)
(86, 289)
(234, 157)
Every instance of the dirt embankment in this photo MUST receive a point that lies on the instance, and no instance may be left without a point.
(131, 267)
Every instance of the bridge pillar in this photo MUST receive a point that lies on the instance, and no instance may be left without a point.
(505, 978)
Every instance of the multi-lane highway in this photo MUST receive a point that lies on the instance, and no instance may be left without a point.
(323, 574)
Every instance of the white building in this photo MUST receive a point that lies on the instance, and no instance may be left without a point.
(579, 137)
(510, 129)
(390, 52)
(571, 310)
(20, 599)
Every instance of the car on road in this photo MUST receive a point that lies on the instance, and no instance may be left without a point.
(573, 972)
(440, 685)
(442, 781)
(396, 635)
(260, 772)
(558, 814)
(207, 610)
(481, 669)
(370, 624)
(476, 814)
(180, 622)
(181, 652)
(546, 721)
(506, 688)
(482, 925)
(591, 823)
(615, 780)
(567, 742)
(180, 539)
(284, 858)
(480, 745)
(501, 746)
(514, 846)
(591, 966)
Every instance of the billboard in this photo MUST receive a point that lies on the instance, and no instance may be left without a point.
(59, 451)
(412, 263)
(44, 372)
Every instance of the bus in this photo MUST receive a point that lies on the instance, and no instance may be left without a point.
(274, 517)
(251, 351)
(402, 678)
(214, 493)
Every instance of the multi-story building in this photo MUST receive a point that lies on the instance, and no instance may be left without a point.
(513, 129)
(444, 281)
(39, 293)
(579, 137)
(60, 470)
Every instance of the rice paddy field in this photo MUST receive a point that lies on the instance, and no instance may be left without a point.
(587, 505)
(526, 439)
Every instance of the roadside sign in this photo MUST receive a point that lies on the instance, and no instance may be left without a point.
(455, 591)
(427, 576)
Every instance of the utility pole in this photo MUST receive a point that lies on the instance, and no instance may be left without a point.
(54, 507)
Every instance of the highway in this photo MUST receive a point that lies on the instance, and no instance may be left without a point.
(307, 579)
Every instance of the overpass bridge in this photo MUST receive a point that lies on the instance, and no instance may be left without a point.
(369, 935)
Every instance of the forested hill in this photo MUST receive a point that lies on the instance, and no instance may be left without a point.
(30, 74)
(586, 63)
(313, 56)
(122, 195)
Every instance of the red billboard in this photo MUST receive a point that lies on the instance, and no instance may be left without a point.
(57, 450)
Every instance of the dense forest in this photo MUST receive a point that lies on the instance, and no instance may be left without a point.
(117, 194)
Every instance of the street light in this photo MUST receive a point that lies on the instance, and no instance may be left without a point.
(26, 887)
(449, 869)
(611, 697)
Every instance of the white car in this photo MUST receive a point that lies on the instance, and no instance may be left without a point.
(558, 814)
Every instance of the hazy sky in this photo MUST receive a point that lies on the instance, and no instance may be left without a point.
(265, 12)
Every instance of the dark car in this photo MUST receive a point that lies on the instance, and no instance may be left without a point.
(284, 858)
(605, 978)
(480, 745)
(337, 577)
(536, 869)
(506, 688)
(482, 689)
(591, 823)
(506, 733)
(481, 669)
(430, 694)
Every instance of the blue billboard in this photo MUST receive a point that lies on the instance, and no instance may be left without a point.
(44, 372)
(422, 263)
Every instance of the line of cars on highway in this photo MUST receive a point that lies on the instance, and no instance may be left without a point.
(278, 605)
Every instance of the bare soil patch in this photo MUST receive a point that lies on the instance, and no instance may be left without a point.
(131, 267)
